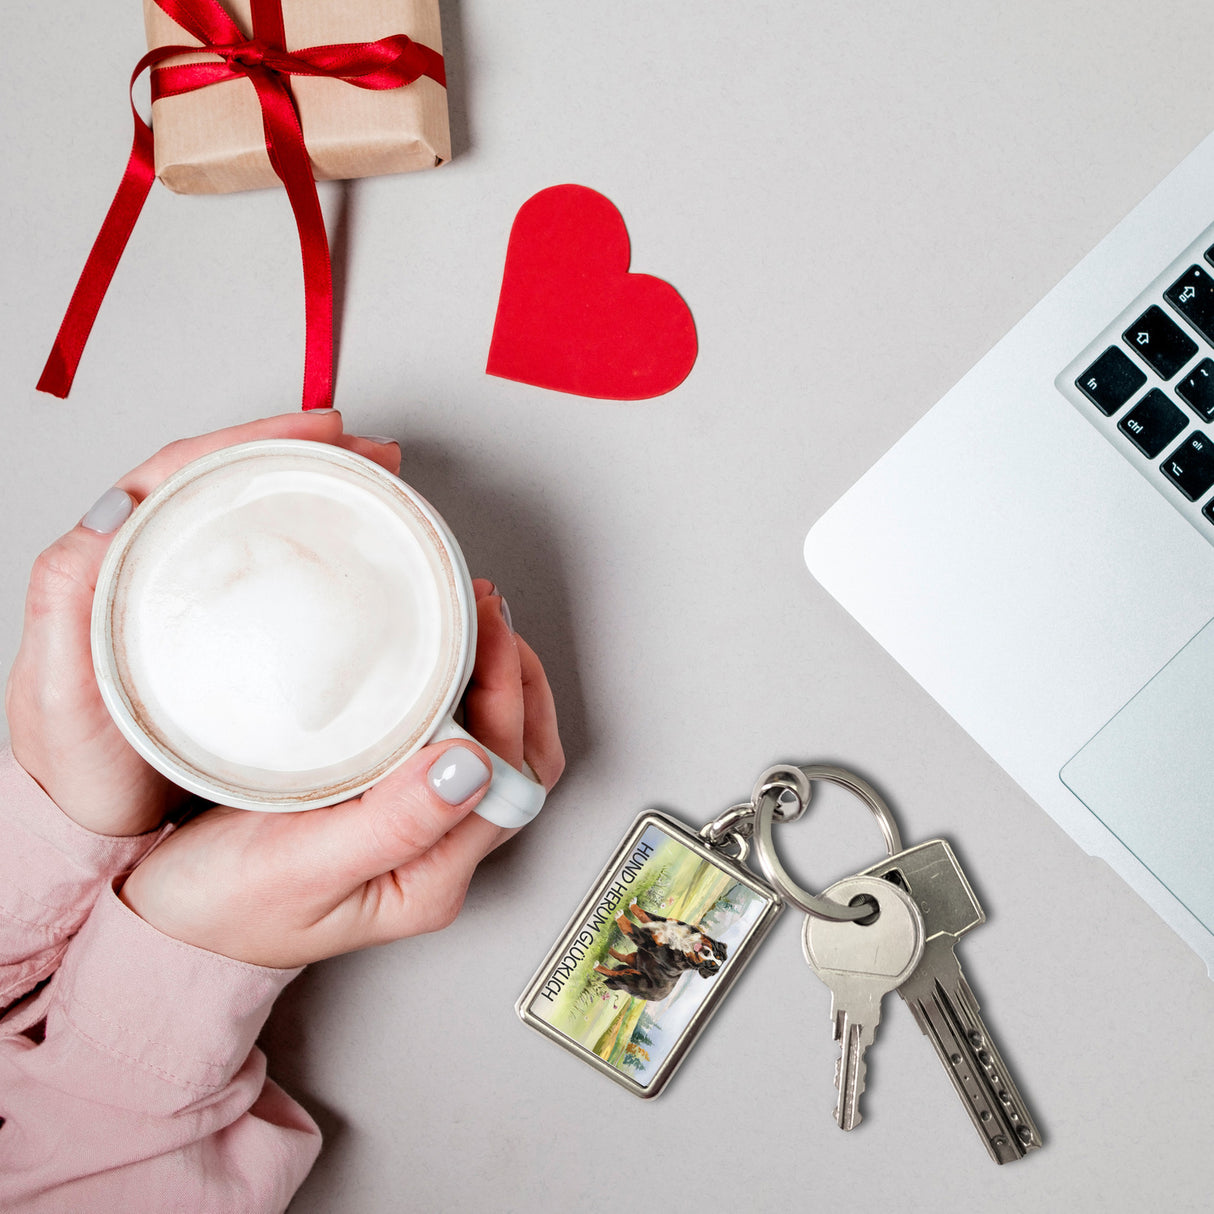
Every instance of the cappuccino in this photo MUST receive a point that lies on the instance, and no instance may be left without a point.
(283, 621)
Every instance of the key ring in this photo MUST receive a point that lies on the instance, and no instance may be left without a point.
(765, 813)
(792, 792)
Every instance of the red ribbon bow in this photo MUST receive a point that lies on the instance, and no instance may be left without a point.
(388, 63)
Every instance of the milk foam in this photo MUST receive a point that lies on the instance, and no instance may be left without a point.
(287, 620)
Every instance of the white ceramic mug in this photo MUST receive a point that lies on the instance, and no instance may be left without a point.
(282, 623)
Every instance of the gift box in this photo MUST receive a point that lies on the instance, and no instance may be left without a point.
(211, 140)
(279, 91)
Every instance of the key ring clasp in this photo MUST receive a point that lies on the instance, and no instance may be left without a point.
(765, 806)
(733, 826)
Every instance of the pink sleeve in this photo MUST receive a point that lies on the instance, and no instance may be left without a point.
(51, 871)
(132, 1081)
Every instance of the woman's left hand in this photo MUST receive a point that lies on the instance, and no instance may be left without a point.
(59, 728)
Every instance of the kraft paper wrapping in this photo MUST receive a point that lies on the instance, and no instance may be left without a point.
(211, 141)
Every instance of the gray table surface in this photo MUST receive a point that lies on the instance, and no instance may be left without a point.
(857, 201)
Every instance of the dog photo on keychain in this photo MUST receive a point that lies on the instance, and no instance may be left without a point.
(649, 954)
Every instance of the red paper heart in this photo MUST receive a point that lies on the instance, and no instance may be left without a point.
(572, 318)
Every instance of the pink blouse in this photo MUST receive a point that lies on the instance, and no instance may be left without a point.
(129, 1079)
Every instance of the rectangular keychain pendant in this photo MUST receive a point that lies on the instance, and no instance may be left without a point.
(643, 964)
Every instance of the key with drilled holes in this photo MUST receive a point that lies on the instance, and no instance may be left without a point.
(944, 1006)
(861, 961)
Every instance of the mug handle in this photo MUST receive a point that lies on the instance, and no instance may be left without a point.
(512, 798)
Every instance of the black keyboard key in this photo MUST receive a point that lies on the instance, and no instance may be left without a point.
(1191, 466)
(1152, 423)
(1110, 381)
(1160, 342)
(1210, 255)
(1197, 389)
(1192, 295)
(1208, 508)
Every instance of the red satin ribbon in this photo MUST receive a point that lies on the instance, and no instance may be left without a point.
(386, 64)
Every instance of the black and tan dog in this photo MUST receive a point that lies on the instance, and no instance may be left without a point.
(665, 950)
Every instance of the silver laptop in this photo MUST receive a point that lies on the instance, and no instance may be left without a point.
(1038, 551)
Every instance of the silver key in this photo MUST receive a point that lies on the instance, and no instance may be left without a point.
(860, 963)
(944, 1006)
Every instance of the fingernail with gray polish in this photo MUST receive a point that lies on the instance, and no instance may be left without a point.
(456, 774)
(377, 438)
(506, 616)
(108, 512)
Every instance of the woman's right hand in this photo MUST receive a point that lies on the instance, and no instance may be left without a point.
(284, 889)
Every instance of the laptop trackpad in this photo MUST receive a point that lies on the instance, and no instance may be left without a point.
(1148, 775)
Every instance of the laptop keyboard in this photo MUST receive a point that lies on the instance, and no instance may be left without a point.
(1147, 382)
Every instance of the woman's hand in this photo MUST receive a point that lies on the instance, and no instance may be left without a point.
(284, 889)
(60, 731)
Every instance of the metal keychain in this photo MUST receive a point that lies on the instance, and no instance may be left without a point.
(665, 931)
(620, 987)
